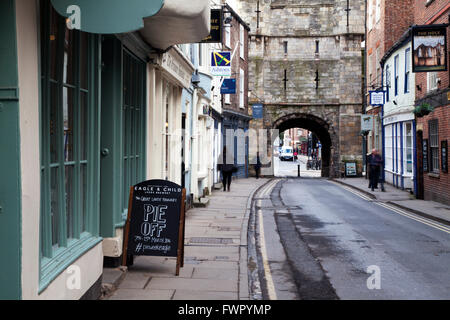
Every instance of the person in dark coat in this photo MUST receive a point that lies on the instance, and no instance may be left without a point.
(368, 159)
(226, 168)
(258, 166)
(375, 169)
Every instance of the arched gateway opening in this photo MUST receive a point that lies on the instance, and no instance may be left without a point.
(320, 128)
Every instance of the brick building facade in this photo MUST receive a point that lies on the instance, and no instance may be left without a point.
(433, 88)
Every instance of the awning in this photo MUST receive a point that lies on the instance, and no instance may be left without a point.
(178, 22)
(109, 16)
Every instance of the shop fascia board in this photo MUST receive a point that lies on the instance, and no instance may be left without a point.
(174, 66)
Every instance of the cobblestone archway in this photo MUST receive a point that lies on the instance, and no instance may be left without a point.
(324, 131)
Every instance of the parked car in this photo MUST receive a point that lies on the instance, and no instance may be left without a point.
(287, 154)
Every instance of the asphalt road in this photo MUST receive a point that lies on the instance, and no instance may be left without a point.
(324, 242)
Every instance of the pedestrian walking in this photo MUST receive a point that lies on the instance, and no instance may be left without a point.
(368, 159)
(375, 169)
(226, 167)
(258, 166)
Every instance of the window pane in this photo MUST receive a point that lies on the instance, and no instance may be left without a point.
(83, 203)
(68, 73)
(55, 205)
(54, 128)
(68, 123)
(83, 126)
(84, 70)
(53, 38)
(69, 185)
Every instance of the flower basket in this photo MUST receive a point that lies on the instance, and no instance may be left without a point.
(423, 110)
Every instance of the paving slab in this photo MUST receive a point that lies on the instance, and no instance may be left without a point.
(193, 284)
(215, 273)
(204, 295)
(132, 294)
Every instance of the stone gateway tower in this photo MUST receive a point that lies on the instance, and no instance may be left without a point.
(305, 67)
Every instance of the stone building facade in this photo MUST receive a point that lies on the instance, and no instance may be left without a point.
(305, 67)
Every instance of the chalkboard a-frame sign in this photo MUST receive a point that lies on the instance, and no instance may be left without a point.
(155, 224)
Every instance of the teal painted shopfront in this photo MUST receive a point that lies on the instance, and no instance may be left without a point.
(74, 128)
(10, 194)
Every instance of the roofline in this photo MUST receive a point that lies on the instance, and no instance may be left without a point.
(246, 26)
(404, 39)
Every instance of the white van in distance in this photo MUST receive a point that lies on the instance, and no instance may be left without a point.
(287, 154)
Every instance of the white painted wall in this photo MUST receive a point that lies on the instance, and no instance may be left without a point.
(405, 101)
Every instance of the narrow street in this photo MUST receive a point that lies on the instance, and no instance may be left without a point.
(331, 236)
(290, 168)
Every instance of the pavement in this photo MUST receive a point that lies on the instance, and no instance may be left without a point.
(215, 266)
(402, 199)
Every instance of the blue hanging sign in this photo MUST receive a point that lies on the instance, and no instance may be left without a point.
(228, 86)
(377, 98)
(257, 111)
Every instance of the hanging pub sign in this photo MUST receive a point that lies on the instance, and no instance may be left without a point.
(155, 223)
(228, 86)
(221, 63)
(215, 35)
(429, 52)
(425, 155)
(444, 156)
(366, 122)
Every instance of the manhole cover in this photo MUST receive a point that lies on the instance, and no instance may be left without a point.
(211, 240)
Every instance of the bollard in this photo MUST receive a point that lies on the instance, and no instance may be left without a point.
(298, 167)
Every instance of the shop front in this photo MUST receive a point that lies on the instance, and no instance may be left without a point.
(76, 107)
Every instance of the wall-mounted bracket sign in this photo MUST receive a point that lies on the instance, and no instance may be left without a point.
(107, 16)
(377, 98)
(215, 35)
(221, 63)
(228, 86)
(155, 224)
(429, 44)
(258, 111)
(366, 122)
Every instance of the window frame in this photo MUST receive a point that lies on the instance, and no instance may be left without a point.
(227, 30)
(55, 259)
(241, 41)
(433, 138)
(241, 88)
(388, 82)
(133, 126)
(407, 70)
(396, 73)
(406, 147)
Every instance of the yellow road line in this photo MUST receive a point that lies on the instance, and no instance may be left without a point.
(270, 285)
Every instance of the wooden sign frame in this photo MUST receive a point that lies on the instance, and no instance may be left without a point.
(181, 231)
